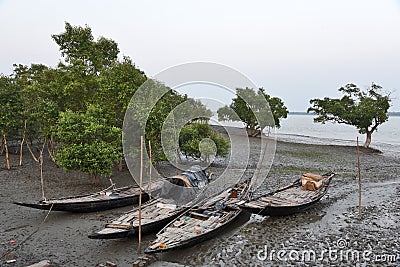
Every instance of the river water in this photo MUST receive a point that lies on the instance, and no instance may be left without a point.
(302, 129)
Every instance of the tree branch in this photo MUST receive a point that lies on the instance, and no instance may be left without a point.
(33, 155)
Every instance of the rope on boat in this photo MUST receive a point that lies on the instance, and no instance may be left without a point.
(7, 252)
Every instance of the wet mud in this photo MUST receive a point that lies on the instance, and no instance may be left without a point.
(332, 224)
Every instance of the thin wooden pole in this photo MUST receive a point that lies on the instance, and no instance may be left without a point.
(150, 166)
(359, 181)
(175, 142)
(41, 170)
(140, 193)
(22, 144)
(176, 152)
(6, 147)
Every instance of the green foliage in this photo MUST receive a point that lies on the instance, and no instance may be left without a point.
(365, 110)
(95, 159)
(157, 117)
(11, 107)
(40, 98)
(247, 104)
(87, 142)
(87, 64)
(190, 141)
(78, 47)
(77, 87)
(159, 110)
(82, 102)
(278, 108)
(117, 85)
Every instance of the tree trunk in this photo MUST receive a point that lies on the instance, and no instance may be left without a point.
(249, 131)
(120, 166)
(22, 144)
(32, 154)
(368, 140)
(6, 147)
(95, 178)
(51, 149)
(253, 132)
(20, 151)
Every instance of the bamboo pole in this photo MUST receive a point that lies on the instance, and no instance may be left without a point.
(6, 147)
(175, 142)
(176, 161)
(359, 181)
(150, 166)
(41, 170)
(140, 193)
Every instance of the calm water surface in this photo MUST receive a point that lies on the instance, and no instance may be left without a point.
(302, 129)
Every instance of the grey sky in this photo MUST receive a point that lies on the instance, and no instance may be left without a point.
(297, 50)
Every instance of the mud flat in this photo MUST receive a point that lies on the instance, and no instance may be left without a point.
(331, 224)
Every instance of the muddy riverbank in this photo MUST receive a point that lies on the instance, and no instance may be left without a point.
(331, 224)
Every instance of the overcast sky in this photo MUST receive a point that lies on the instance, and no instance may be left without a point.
(296, 50)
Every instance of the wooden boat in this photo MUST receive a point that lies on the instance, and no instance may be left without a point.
(156, 213)
(103, 200)
(202, 222)
(290, 199)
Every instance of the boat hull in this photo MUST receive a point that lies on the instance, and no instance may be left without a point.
(279, 211)
(89, 206)
(285, 208)
(196, 240)
(113, 233)
(202, 222)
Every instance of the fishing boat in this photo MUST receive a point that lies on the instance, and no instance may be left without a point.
(300, 195)
(109, 198)
(201, 222)
(159, 211)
